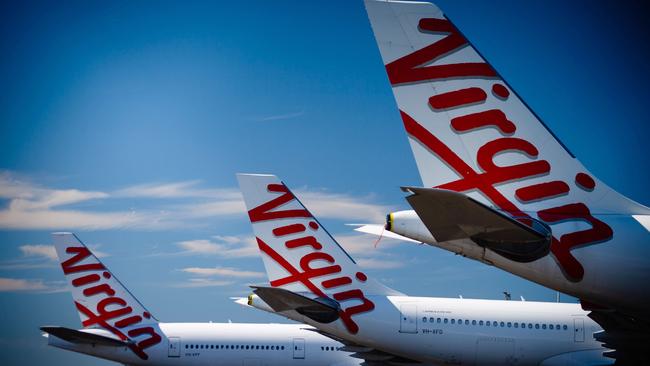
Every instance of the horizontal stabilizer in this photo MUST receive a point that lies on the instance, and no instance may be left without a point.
(380, 230)
(451, 215)
(322, 310)
(81, 337)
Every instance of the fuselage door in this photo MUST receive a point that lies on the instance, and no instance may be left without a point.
(578, 329)
(408, 321)
(298, 348)
(174, 347)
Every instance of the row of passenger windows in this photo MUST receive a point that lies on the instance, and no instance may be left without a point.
(489, 323)
(230, 346)
(328, 348)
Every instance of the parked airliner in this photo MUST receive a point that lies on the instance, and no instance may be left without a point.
(313, 280)
(117, 327)
(501, 188)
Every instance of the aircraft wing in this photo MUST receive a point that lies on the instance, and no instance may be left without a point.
(625, 336)
(323, 310)
(77, 336)
(371, 356)
(451, 215)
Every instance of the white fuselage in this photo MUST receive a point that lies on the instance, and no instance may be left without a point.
(227, 344)
(456, 331)
(614, 272)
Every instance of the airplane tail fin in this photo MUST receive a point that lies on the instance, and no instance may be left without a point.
(101, 299)
(298, 253)
(468, 130)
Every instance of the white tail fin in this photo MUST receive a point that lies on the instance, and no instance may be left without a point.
(299, 254)
(469, 131)
(101, 300)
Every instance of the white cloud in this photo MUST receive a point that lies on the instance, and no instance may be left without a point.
(170, 206)
(18, 284)
(40, 250)
(223, 246)
(279, 117)
(343, 207)
(203, 282)
(223, 271)
(30, 285)
(185, 189)
(375, 263)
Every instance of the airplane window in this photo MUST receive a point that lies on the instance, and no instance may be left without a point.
(516, 325)
(453, 321)
(439, 320)
(523, 325)
(530, 325)
(424, 319)
(509, 324)
(322, 348)
(550, 326)
(267, 347)
(460, 321)
(431, 320)
(480, 322)
(273, 347)
(191, 346)
(494, 324)
(502, 324)
(446, 320)
(473, 322)
(543, 326)
(257, 347)
(487, 323)
(536, 326)
(246, 347)
(282, 347)
(466, 322)
(557, 326)
(201, 346)
(186, 346)
(565, 327)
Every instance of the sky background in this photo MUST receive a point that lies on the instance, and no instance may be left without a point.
(126, 122)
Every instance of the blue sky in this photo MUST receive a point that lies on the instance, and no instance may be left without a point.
(127, 122)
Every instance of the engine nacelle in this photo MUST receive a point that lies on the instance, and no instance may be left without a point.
(407, 223)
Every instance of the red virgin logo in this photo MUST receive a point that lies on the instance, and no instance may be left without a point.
(305, 273)
(408, 69)
(120, 315)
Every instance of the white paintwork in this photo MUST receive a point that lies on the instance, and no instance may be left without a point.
(612, 269)
(157, 343)
(230, 334)
(395, 323)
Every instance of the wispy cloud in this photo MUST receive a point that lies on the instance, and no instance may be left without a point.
(185, 189)
(342, 206)
(280, 116)
(222, 246)
(223, 271)
(39, 250)
(376, 263)
(164, 206)
(203, 282)
(30, 285)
